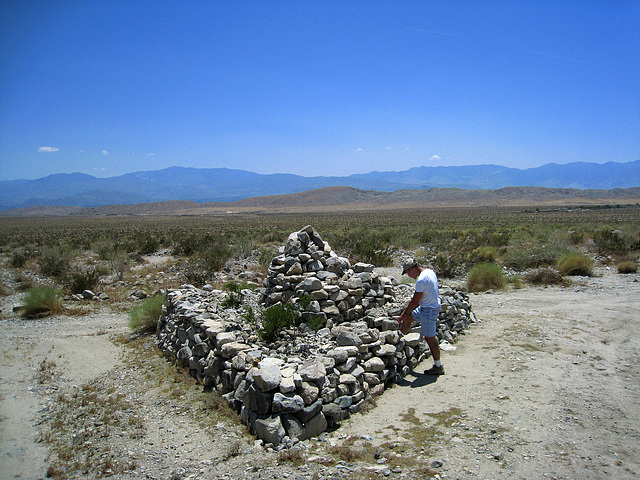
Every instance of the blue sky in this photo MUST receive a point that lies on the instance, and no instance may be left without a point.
(315, 87)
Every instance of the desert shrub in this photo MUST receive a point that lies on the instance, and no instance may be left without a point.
(82, 279)
(119, 264)
(148, 244)
(19, 257)
(609, 240)
(526, 256)
(276, 318)
(205, 263)
(575, 264)
(41, 301)
(576, 237)
(54, 261)
(144, 317)
(366, 245)
(483, 254)
(627, 267)
(544, 276)
(446, 266)
(485, 276)
(4, 291)
(23, 281)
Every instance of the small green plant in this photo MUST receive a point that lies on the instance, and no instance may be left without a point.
(304, 301)
(316, 323)
(485, 276)
(627, 267)
(575, 264)
(144, 318)
(276, 318)
(41, 301)
(234, 297)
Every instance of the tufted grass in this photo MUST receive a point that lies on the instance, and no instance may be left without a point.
(41, 301)
(575, 264)
(144, 317)
(627, 267)
(485, 276)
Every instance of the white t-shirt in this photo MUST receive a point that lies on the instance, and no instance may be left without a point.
(427, 283)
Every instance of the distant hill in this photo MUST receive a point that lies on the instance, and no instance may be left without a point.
(344, 199)
(205, 185)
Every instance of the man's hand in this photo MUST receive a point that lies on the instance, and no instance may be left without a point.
(405, 322)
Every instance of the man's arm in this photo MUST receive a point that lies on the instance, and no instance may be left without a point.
(413, 304)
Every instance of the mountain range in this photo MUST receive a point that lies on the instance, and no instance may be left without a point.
(204, 185)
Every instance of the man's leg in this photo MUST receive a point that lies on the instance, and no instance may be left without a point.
(437, 368)
(434, 347)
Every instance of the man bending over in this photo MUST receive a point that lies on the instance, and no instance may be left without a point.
(424, 307)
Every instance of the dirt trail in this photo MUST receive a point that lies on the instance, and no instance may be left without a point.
(72, 350)
(545, 386)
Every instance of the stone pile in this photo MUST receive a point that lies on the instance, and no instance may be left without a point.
(306, 381)
(308, 267)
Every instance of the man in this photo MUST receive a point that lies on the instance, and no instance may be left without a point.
(424, 307)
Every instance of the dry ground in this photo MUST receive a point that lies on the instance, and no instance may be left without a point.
(545, 386)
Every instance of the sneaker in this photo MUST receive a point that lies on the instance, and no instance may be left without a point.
(435, 371)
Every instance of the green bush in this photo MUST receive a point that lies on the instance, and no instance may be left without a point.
(201, 267)
(575, 264)
(82, 279)
(19, 258)
(609, 240)
(526, 256)
(446, 266)
(54, 262)
(144, 317)
(485, 276)
(366, 245)
(627, 267)
(40, 301)
(276, 318)
(234, 297)
(483, 254)
(544, 276)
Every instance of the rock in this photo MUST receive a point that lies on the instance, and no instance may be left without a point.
(270, 429)
(374, 364)
(312, 371)
(230, 350)
(347, 338)
(287, 403)
(267, 377)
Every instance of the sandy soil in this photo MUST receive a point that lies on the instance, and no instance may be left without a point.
(546, 385)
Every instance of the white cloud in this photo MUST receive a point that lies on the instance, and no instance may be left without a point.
(387, 148)
(150, 154)
(434, 157)
(105, 152)
(48, 149)
(358, 150)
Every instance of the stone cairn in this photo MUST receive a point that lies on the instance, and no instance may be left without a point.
(306, 381)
